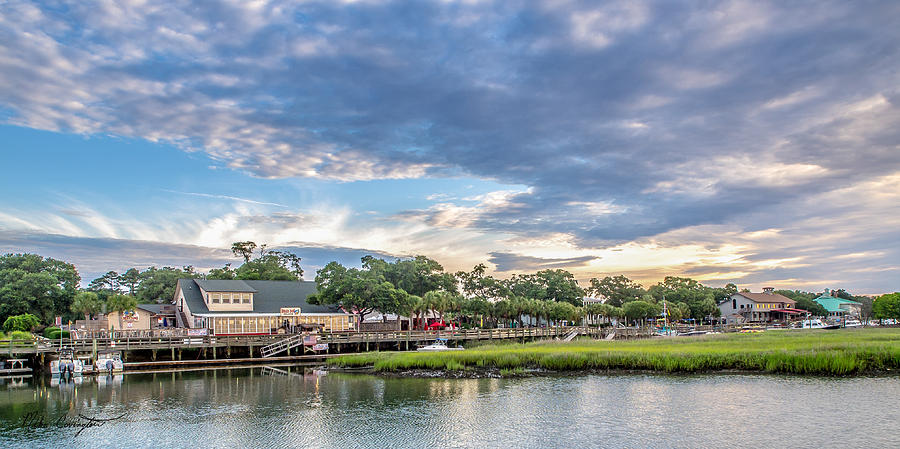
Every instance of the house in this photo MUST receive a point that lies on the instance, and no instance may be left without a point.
(143, 317)
(234, 307)
(764, 307)
(839, 307)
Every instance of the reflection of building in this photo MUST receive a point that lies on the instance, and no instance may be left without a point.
(839, 307)
(254, 307)
(764, 307)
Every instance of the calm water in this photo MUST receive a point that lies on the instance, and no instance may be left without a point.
(257, 407)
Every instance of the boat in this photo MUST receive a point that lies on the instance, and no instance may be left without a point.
(811, 324)
(109, 362)
(692, 333)
(67, 365)
(852, 323)
(439, 344)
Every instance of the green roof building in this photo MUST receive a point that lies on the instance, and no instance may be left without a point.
(839, 307)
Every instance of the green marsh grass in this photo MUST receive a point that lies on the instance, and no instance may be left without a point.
(814, 352)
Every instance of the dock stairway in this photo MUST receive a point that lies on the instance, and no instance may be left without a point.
(571, 336)
(281, 345)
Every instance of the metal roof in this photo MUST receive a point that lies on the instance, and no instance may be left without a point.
(268, 296)
(832, 304)
(224, 285)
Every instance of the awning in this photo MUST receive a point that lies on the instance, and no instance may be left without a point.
(789, 311)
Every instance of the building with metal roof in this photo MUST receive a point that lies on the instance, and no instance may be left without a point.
(839, 307)
(227, 307)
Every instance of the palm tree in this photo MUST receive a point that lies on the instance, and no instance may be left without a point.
(86, 303)
(120, 303)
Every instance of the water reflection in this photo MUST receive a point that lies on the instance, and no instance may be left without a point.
(288, 406)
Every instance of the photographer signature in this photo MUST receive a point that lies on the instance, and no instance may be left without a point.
(80, 421)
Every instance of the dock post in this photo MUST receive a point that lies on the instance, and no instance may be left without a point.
(179, 354)
(173, 353)
(251, 351)
(228, 351)
(214, 352)
(153, 355)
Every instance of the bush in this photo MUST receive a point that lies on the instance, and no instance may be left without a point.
(51, 330)
(20, 335)
(57, 334)
(25, 322)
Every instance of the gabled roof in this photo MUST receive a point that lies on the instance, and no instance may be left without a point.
(766, 297)
(832, 304)
(268, 296)
(224, 285)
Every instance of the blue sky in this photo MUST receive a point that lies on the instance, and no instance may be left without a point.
(747, 142)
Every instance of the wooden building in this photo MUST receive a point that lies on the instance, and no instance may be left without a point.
(235, 307)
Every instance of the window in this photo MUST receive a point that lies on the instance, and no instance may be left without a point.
(226, 298)
(734, 303)
(246, 297)
(216, 298)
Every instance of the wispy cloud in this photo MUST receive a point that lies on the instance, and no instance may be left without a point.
(226, 197)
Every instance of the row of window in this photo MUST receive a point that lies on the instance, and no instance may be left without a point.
(758, 306)
(228, 298)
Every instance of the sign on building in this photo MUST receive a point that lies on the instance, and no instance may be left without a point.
(320, 347)
(290, 311)
(310, 340)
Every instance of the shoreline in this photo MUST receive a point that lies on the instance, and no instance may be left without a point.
(818, 353)
(532, 373)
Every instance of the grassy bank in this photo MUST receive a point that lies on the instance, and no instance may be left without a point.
(819, 352)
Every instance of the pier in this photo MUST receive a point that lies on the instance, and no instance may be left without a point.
(153, 350)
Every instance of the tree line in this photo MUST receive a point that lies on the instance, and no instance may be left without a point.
(412, 287)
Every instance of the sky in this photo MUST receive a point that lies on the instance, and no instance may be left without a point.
(750, 142)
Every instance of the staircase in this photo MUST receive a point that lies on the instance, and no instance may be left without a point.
(570, 336)
(281, 345)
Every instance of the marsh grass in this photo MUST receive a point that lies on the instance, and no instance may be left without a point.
(817, 352)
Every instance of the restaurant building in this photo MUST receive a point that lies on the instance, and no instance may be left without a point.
(245, 307)
(765, 307)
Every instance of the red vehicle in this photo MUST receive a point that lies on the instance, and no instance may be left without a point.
(440, 325)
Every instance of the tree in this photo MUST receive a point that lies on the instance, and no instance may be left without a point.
(552, 285)
(32, 284)
(617, 289)
(477, 283)
(639, 310)
(107, 284)
(356, 291)
(887, 306)
(86, 303)
(417, 276)
(130, 279)
(244, 249)
(225, 272)
(120, 303)
(269, 266)
(158, 284)
(25, 323)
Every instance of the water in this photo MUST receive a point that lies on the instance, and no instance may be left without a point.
(256, 407)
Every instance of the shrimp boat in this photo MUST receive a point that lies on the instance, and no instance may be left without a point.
(67, 365)
(439, 344)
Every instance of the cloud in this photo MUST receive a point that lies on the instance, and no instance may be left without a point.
(226, 197)
(626, 121)
(516, 262)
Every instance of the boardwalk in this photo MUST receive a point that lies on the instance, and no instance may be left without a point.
(337, 341)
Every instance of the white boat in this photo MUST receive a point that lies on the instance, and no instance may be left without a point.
(67, 365)
(109, 362)
(439, 344)
(811, 324)
(852, 323)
